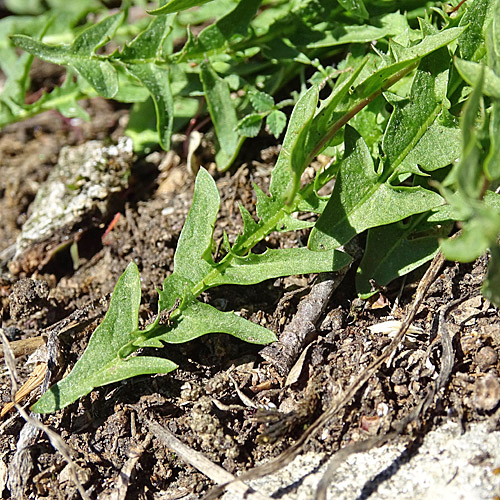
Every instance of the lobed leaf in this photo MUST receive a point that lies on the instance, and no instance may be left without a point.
(80, 55)
(221, 32)
(199, 319)
(407, 56)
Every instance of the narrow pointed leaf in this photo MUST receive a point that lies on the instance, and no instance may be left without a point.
(80, 55)
(491, 285)
(97, 35)
(219, 34)
(195, 241)
(288, 168)
(492, 162)
(223, 113)
(255, 268)
(101, 363)
(156, 80)
(177, 5)
(149, 43)
(199, 319)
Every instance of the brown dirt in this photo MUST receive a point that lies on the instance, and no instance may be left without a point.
(103, 428)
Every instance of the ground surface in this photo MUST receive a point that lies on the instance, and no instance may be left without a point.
(42, 294)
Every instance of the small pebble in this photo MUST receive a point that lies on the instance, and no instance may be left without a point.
(486, 357)
(401, 390)
(399, 376)
(487, 392)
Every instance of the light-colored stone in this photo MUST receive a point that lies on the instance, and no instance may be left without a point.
(448, 465)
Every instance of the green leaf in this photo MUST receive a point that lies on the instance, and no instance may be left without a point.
(193, 258)
(411, 118)
(357, 7)
(362, 199)
(254, 268)
(468, 172)
(428, 45)
(471, 42)
(101, 363)
(478, 234)
(198, 319)
(156, 80)
(223, 113)
(250, 125)
(276, 122)
(149, 43)
(290, 162)
(439, 147)
(80, 55)
(177, 5)
(491, 285)
(492, 161)
(218, 35)
(340, 33)
(395, 250)
(261, 101)
(471, 73)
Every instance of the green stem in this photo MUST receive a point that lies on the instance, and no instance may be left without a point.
(357, 108)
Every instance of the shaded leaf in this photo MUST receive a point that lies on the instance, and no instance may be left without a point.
(395, 250)
(223, 113)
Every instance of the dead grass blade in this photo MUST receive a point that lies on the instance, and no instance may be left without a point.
(54, 438)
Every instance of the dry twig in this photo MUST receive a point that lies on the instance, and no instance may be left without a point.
(119, 490)
(301, 329)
